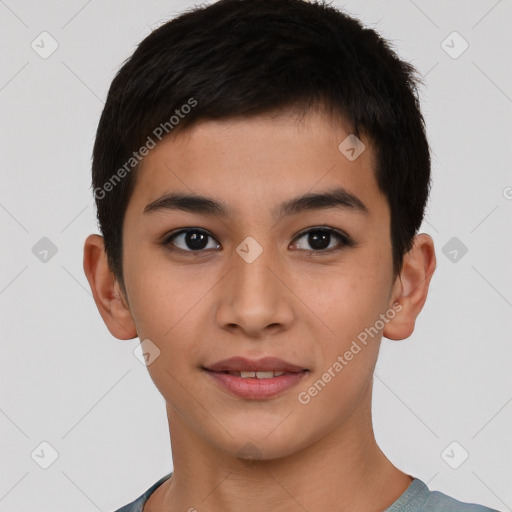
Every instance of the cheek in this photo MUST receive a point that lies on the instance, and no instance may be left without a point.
(160, 294)
(345, 300)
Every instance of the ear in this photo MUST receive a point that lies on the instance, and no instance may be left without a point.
(109, 298)
(411, 287)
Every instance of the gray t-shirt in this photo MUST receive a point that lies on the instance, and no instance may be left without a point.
(416, 498)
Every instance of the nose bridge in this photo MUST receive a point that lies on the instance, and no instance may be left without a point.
(251, 275)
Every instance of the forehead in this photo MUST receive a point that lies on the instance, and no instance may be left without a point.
(259, 161)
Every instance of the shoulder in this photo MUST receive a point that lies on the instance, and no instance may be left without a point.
(138, 504)
(439, 502)
(418, 498)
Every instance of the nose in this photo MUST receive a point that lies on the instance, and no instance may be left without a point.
(256, 297)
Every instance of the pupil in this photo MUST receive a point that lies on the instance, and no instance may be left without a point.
(319, 239)
(196, 240)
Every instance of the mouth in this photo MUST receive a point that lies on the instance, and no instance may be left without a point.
(249, 374)
(264, 365)
(255, 379)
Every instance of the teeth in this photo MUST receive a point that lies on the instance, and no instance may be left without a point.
(258, 375)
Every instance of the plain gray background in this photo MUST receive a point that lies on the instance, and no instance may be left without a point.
(67, 382)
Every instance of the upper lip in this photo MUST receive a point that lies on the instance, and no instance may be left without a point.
(242, 364)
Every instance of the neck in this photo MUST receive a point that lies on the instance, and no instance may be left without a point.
(342, 471)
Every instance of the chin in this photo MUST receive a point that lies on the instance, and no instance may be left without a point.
(251, 445)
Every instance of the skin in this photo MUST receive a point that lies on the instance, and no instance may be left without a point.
(292, 302)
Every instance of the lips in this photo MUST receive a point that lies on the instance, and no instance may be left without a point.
(237, 365)
(253, 379)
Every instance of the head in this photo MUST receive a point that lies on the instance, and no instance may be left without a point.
(253, 105)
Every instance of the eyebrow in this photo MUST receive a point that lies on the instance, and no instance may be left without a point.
(335, 198)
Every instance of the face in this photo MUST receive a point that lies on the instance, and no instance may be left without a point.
(271, 276)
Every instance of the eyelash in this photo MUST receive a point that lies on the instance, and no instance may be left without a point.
(344, 239)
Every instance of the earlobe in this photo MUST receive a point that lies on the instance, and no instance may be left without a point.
(111, 303)
(411, 287)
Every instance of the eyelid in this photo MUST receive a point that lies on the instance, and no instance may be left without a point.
(322, 227)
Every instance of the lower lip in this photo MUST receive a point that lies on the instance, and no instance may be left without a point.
(253, 388)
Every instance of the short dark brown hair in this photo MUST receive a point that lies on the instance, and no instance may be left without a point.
(247, 57)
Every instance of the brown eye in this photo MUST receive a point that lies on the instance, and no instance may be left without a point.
(323, 239)
(191, 240)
